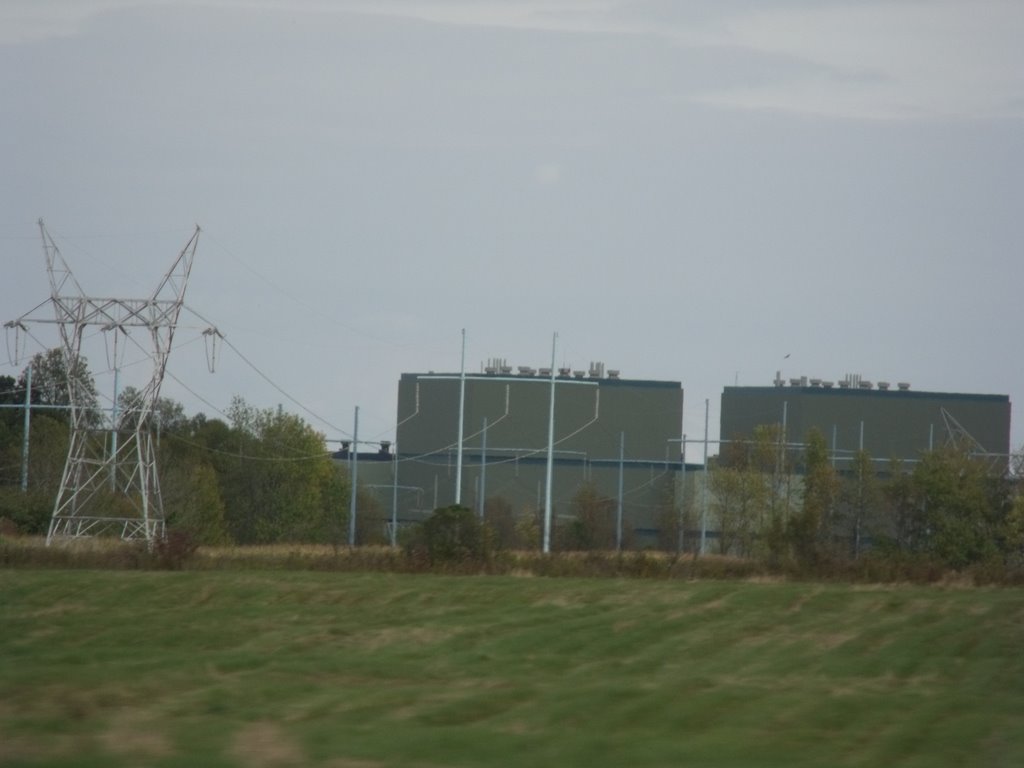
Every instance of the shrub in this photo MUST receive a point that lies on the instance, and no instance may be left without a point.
(30, 512)
(174, 550)
(450, 536)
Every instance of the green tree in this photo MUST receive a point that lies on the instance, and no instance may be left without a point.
(820, 488)
(192, 500)
(10, 393)
(167, 415)
(763, 490)
(859, 510)
(500, 519)
(48, 441)
(594, 524)
(11, 430)
(190, 486)
(277, 480)
(529, 528)
(450, 536)
(371, 517)
(903, 526)
(1013, 532)
(963, 505)
(676, 515)
(50, 383)
(741, 486)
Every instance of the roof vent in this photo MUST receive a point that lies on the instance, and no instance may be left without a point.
(564, 371)
(579, 374)
(883, 385)
(525, 370)
(506, 369)
(815, 382)
(490, 370)
(613, 373)
(903, 386)
(827, 384)
(545, 371)
(864, 384)
(794, 382)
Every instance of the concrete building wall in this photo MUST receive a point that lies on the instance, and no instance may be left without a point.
(897, 424)
(591, 415)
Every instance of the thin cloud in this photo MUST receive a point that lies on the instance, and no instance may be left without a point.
(896, 61)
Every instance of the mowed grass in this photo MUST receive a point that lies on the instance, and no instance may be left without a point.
(355, 671)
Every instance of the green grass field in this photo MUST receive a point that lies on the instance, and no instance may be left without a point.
(257, 668)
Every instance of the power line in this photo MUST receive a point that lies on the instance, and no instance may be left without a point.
(272, 383)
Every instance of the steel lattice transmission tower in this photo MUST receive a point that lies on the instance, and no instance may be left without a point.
(113, 490)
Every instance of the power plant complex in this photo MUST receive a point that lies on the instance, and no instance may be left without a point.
(468, 438)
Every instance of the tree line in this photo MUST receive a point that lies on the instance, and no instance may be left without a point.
(261, 476)
(949, 506)
(257, 476)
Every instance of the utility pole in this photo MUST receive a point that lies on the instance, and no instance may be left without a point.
(618, 516)
(462, 416)
(394, 500)
(704, 487)
(483, 469)
(354, 458)
(28, 426)
(682, 503)
(551, 452)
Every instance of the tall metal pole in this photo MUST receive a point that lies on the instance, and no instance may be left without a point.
(682, 503)
(551, 452)
(785, 416)
(704, 487)
(618, 516)
(483, 469)
(860, 492)
(462, 415)
(394, 502)
(28, 426)
(783, 475)
(355, 482)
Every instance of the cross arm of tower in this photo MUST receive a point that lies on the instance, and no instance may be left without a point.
(140, 313)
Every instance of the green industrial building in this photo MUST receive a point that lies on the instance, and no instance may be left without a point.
(613, 433)
(605, 428)
(889, 422)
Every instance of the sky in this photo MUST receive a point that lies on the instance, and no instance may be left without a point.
(708, 192)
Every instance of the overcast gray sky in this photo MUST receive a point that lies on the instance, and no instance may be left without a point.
(686, 191)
